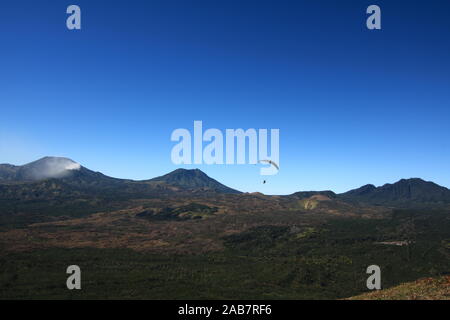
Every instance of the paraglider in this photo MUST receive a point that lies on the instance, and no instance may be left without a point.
(271, 163)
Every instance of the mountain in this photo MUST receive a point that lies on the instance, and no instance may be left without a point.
(62, 178)
(45, 168)
(193, 179)
(57, 169)
(406, 192)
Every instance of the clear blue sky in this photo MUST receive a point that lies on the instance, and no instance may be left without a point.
(353, 106)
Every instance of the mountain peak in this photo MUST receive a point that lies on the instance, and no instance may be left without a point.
(193, 178)
(187, 171)
(412, 180)
(44, 168)
(366, 189)
(58, 161)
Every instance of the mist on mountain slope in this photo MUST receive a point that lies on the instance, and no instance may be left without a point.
(45, 168)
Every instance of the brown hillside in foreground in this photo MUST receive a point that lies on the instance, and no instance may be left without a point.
(422, 289)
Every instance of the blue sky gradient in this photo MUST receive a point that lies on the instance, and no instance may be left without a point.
(353, 106)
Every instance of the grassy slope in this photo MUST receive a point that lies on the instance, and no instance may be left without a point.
(423, 289)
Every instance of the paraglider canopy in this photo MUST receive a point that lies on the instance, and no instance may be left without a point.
(270, 162)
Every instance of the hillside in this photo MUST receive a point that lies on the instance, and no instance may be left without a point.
(54, 186)
(423, 289)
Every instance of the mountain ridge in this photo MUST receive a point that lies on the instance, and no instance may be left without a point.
(70, 174)
(411, 191)
(64, 173)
